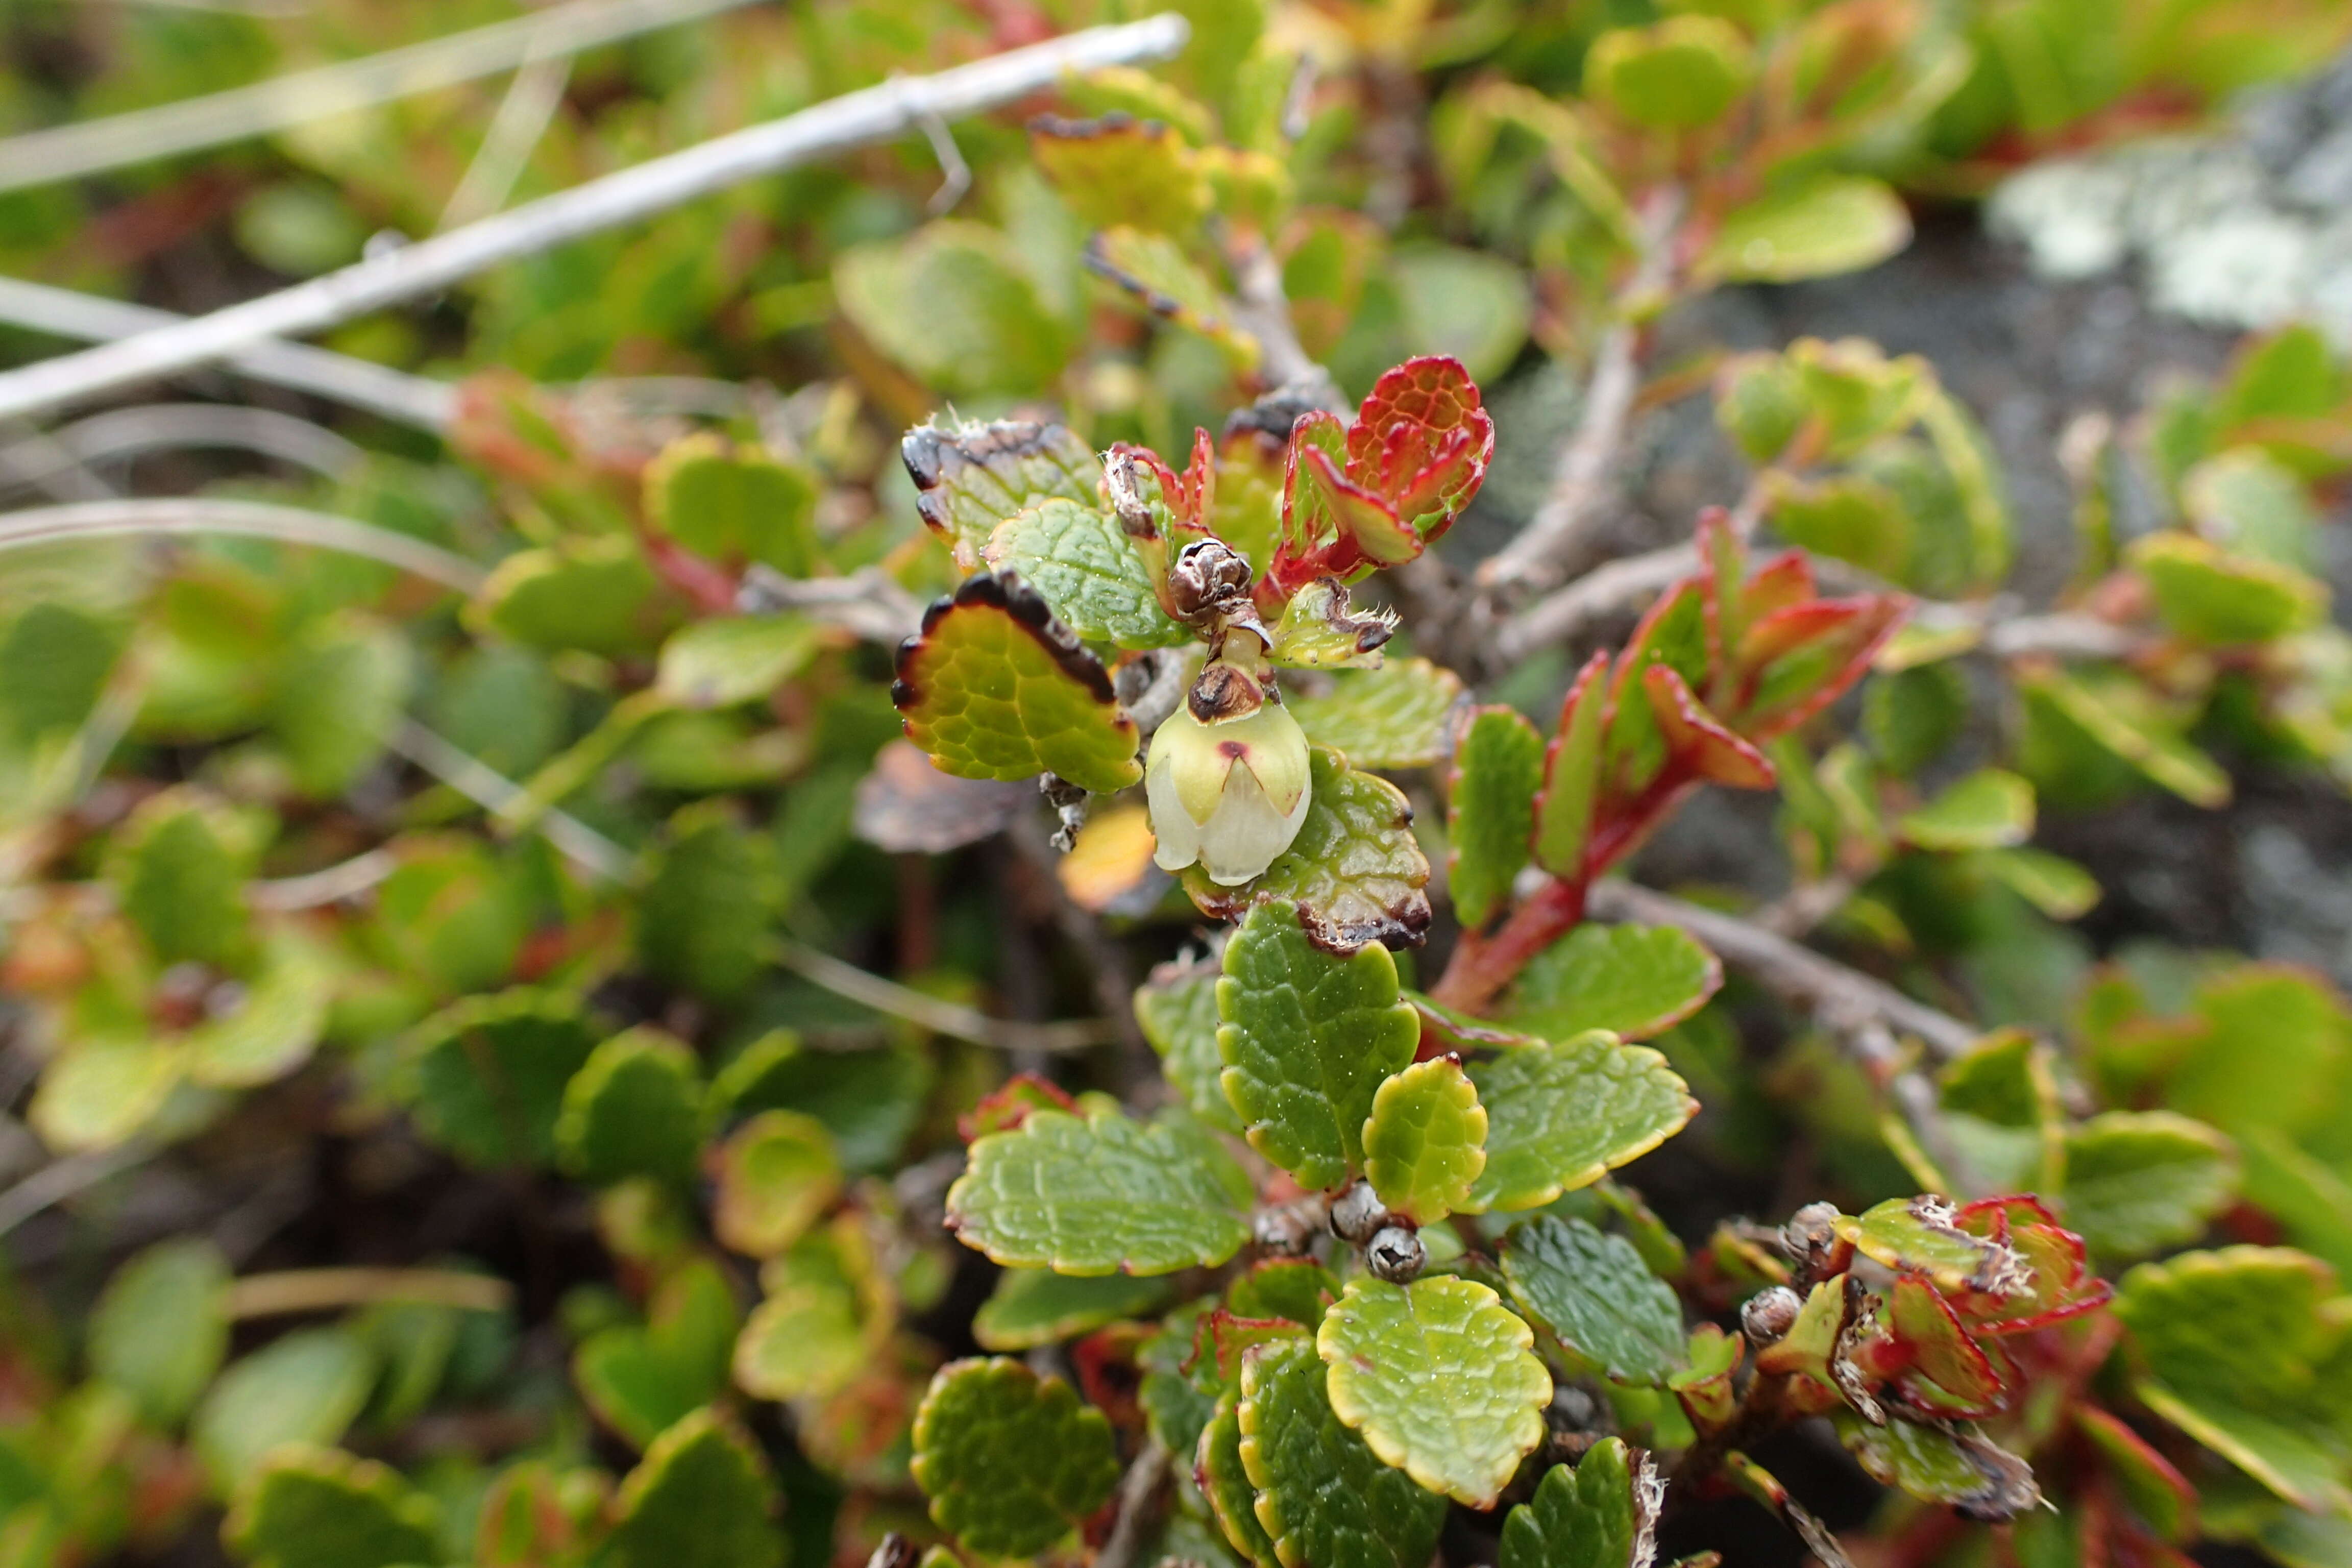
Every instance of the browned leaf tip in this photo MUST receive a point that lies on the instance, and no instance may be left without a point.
(1004, 592)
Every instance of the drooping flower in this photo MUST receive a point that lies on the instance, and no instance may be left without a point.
(1230, 794)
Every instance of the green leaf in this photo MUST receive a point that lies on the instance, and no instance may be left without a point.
(2243, 1323)
(1988, 809)
(1355, 870)
(640, 1380)
(486, 1077)
(1598, 1297)
(1163, 280)
(1438, 1377)
(734, 504)
(732, 660)
(1960, 1466)
(277, 1026)
(1847, 516)
(1572, 773)
(1917, 1236)
(1034, 1307)
(1491, 810)
(53, 664)
(2252, 505)
(956, 306)
(341, 687)
(160, 1330)
(1226, 1484)
(995, 688)
(1320, 629)
(1423, 1144)
(1177, 1007)
(1910, 715)
(827, 1316)
(1012, 1462)
(1120, 170)
(101, 1092)
(320, 1507)
(596, 595)
(178, 868)
(633, 1108)
(2109, 716)
(971, 478)
(703, 916)
(305, 1387)
(1323, 1496)
(777, 1175)
(1684, 72)
(1560, 1116)
(1308, 1039)
(2140, 1181)
(1601, 1514)
(1828, 224)
(2222, 600)
(701, 1498)
(1469, 305)
(2050, 883)
(1393, 717)
(2299, 1461)
(1634, 980)
(1083, 564)
(1101, 1196)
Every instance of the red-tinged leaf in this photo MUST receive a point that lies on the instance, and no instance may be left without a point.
(1422, 441)
(1156, 486)
(1697, 738)
(1938, 1351)
(1823, 657)
(1723, 563)
(1785, 580)
(2062, 1286)
(1224, 1338)
(1008, 1105)
(1673, 632)
(1196, 490)
(2158, 1492)
(1572, 773)
(1329, 524)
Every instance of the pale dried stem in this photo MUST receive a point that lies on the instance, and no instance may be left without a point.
(252, 519)
(875, 114)
(323, 1289)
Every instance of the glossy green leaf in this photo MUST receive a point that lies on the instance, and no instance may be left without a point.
(1491, 810)
(486, 1077)
(806, 1339)
(1324, 1498)
(1917, 1236)
(160, 1330)
(1828, 224)
(1177, 1007)
(178, 867)
(1308, 1039)
(1988, 809)
(309, 1507)
(1086, 570)
(777, 1173)
(1683, 72)
(703, 915)
(995, 688)
(2139, 1181)
(1034, 1307)
(305, 1387)
(1393, 717)
(1425, 1142)
(1233, 1500)
(701, 1498)
(633, 1108)
(1560, 1116)
(1600, 1513)
(1156, 271)
(1598, 1297)
(1961, 1466)
(1634, 980)
(2221, 600)
(596, 595)
(1440, 1379)
(1101, 1196)
(733, 659)
(971, 478)
(277, 1026)
(1011, 1461)
(735, 503)
(1356, 871)
(1571, 778)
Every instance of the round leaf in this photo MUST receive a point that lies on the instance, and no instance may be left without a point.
(1423, 1144)
(1011, 1461)
(1323, 1496)
(1560, 1116)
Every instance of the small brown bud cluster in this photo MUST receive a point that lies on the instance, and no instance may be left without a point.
(1393, 1251)
(1770, 1314)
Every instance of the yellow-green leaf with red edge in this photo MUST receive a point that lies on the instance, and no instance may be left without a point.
(1331, 522)
(993, 687)
(1945, 1371)
(1696, 740)
(1571, 767)
(1425, 1142)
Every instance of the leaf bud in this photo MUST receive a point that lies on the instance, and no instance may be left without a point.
(1357, 1213)
(1396, 1254)
(1770, 1314)
(1209, 582)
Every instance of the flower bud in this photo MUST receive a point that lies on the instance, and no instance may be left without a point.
(1231, 794)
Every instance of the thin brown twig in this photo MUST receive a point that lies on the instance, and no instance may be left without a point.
(1139, 1490)
(320, 1289)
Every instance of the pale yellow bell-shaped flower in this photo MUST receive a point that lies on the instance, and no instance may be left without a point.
(1229, 795)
